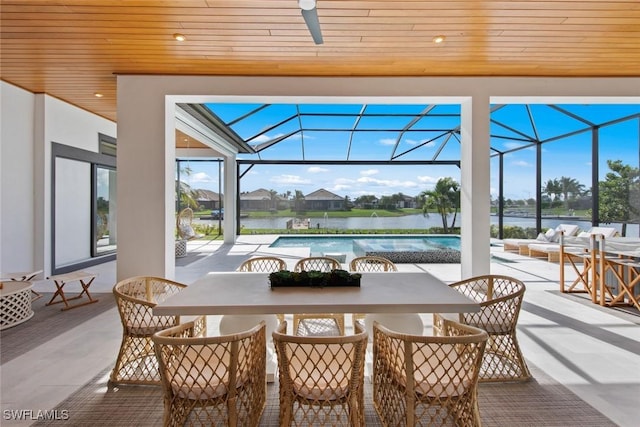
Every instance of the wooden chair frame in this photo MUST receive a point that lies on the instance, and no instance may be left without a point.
(500, 299)
(321, 378)
(318, 324)
(428, 380)
(135, 297)
(263, 264)
(218, 380)
(369, 263)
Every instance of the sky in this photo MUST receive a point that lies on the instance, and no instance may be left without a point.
(427, 139)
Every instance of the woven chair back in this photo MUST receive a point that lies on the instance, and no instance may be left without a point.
(428, 380)
(317, 264)
(266, 264)
(321, 378)
(500, 299)
(218, 380)
(371, 263)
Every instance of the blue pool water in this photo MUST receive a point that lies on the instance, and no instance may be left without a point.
(359, 245)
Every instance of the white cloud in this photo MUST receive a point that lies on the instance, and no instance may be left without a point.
(428, 179)
(369, 172)
(512, 145)
(388, 141)
(414, 142)
(340, 187)
(264, 138)
(521, 163)
(338, 181)
(387, 182)
(317, 169)
(290, 179)
(261, 138)
(201, 177)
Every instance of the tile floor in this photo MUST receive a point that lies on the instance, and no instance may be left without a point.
(593, 351)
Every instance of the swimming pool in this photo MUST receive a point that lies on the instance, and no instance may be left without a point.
(433, 248)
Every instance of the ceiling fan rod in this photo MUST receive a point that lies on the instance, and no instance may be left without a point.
(310, 15)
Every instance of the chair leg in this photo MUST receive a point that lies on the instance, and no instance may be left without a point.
(503, 360)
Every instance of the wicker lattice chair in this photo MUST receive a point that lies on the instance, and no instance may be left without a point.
(184, 225)
(371, 263)
(363, 264)
(234, 323)
(217, 380)
(135, 298)
(318, 324)
(263, 264)
(321, 378)
(500, 299)
(428, 380)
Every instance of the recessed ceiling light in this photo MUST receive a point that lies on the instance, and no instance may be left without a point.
(438, 39)
(179, 37)
(98, 95)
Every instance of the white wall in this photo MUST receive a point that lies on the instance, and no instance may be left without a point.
(16, 179)
(29, 124)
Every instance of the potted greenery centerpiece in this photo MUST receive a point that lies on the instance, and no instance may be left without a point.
(286, 278)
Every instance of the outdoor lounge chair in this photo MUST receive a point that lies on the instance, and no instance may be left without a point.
(551, 236)
(551, 251)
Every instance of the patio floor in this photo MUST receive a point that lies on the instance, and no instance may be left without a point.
(593, 351)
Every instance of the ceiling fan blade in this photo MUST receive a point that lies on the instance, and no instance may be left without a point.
(311, 19)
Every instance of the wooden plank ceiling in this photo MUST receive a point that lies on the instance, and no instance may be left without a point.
(72, 49)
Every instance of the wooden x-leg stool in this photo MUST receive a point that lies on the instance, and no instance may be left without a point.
(60, 280)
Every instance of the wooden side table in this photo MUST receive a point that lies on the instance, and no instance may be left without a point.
(61, 280)
(15, 303)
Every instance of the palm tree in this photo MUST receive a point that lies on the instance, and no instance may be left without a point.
(186, 197)
(570, 187)
(298, 201)
(273, 195)
(445, 198)
(553, 189)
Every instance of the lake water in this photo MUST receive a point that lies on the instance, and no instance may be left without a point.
(416, 221)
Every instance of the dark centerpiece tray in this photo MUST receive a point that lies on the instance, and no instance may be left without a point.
(334, 278)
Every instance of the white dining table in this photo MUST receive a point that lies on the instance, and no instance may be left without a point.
(240, 293)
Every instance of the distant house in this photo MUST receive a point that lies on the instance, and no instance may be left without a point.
(260, 200)
(323, 200)
(407, 202)
(208, 199)
(367, 202)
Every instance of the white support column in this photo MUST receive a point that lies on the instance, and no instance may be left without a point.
(146, 175)
(475, 194)
(230, 189)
